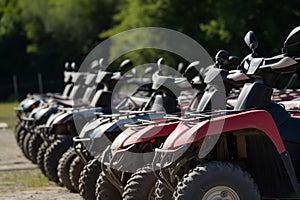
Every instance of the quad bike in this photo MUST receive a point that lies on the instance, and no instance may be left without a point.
(91, 141)
(60, 129)
(33, 100)
(27, 139)
(254, 154)
(161, 100)
(72, 163)
(69, 160)
(141, 139)
(36, 108)
(56, 134)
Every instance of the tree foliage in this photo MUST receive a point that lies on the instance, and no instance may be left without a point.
(55, 30)
(39, 36)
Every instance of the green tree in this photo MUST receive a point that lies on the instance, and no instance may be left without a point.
(39, 36)
(270, 20)
(182, 16)
(68, 27)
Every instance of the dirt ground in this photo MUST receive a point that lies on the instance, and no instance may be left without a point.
(20, 179)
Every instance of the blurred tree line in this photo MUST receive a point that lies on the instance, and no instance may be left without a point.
(40, 35)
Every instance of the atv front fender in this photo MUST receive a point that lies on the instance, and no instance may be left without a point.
(138, 135)
(45, 112)
(187, 132)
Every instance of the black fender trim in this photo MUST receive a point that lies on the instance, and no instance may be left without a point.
(286, 159)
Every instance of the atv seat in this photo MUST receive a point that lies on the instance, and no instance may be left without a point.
(73, 103)
(165, 104)
(289, 130)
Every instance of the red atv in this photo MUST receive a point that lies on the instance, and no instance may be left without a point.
(140, 139)
(252, 152)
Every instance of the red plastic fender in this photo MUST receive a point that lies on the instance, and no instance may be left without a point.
(187, 133)
(137, 135)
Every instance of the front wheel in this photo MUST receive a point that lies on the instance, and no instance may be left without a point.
(63, 168)
(162, 192)
(34, 144)
(76, 167)
(53, 155)
(105, 190)
(140, 186)
(19, 125)
(25, 145)
(40, 157)
(88, 179)
(217, 180)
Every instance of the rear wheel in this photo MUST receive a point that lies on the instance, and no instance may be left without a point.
(217, 180)
(105, 190)
(54, 154)
(75, 170)
(34, 144)
(64, 168)
(140, 186)
(88, 179)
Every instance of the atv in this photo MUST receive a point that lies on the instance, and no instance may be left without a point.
(229, 156)
(70, 164)
(91, 141)
(56, 134)
(141, 139)
(28, 140)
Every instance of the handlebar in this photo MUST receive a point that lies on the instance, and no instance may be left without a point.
(136, 112)
(108, 116)
(79, 109)
(127, 113)
(141, 124)
(27, 118)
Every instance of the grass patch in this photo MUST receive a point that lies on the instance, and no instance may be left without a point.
(19, 179)
(7, 114)
(11, 121)
(7, 109)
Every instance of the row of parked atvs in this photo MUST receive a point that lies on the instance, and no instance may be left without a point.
(238, 138)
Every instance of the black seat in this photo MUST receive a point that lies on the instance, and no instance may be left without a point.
(165, 104)
(290, 130)
(279, 114)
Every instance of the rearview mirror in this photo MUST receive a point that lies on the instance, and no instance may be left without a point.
(94, 65)
(234, 61)
(180, 68)
(101, 63)
(192, 70)
(160, 64)
(133, 71)
(222, 54)
(148, 70)
(67, 66)
(222, 57)
(251, 41)
(125, 66)
(74, 67)
(293, 38)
